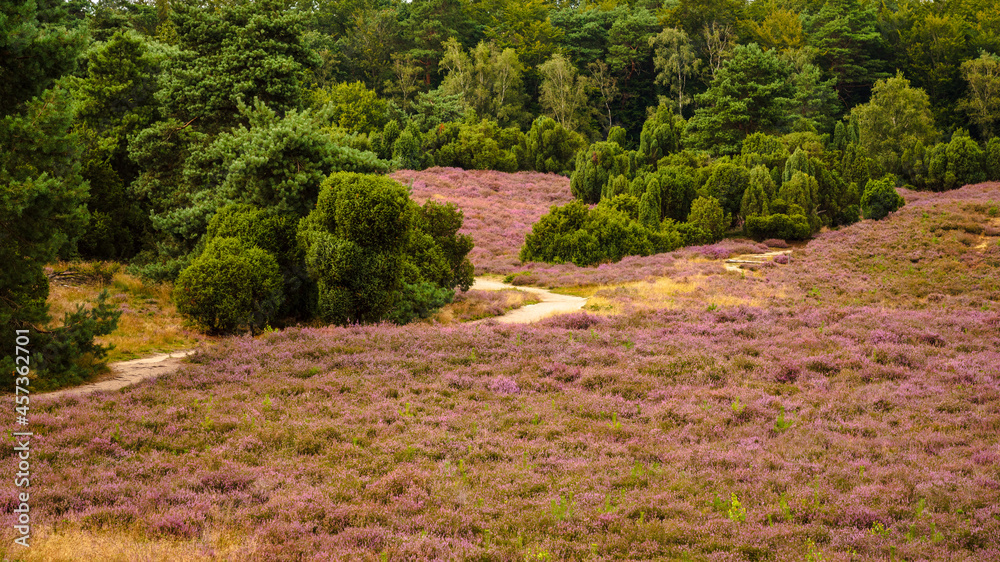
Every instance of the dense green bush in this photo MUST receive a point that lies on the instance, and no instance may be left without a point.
(353, 107)
(595, 166)
(780, 226)
(763, 149)
(550, 147)
(966, 160)
(661, 135)
(482, 145)
(354, 243)
(880, 198)
(993, 159)
(708, 214)
(678, 188)
(574, 233)
(799, 194)
(274, 233)
(727, 184)
(376, 255)
(758, 194)
(407, 152)
(230, 287)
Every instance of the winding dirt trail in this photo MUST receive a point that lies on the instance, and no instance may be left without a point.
(126, 373)
(551, 303)
(737, 263)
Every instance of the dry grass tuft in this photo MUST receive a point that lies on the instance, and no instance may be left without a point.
(149, 322)
(72, 545)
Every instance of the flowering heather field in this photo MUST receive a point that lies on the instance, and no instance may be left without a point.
(837, 407)
(731, 434)
(499, 207)
(475, 304)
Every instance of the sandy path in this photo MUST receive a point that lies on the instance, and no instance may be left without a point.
(736, 264)
(130, 372)
(126, 373)
(551, 303)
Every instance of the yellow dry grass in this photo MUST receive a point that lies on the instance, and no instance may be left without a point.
(149, 322)
(669, 293)
(72, 545)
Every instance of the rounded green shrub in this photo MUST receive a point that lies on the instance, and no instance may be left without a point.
(879, 199)
(550, 147)
(595, 166)
(230, 287)
(966, 161)
(993, 159)
(707, 214)
(727, 184)
(779, 225)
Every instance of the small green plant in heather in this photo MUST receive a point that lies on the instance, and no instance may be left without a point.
(712, 307)
(878, 530)
(781, 423)
(813, 553)
(737, 407)
(786, 511)
(561, 510)
(615, 425)
(737, 513)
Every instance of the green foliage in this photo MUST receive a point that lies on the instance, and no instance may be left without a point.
(482, 145)
(42, 193)
(758, 193)
(727, 184)
(879, 199)
(780, 226)
(707, 213)
(352, 106)
(375, 255)
(574, 233)
(850, 48)
(275, 162)
(354, 243)
(488, 79)
(800, 194)
(959, 162)
(763, 149)
(896, 118)
(661, 135)
(649, 207)
(550, 147)
(406, 150)
(595, 166)
(617, 135)
(444, 261)
(751, 93)
(966, 160)
(222, 61)
(678, 188)
(563, 94)
(274, 233)
(992, 157)
(68, 355)
(230, 287)
(982, 103)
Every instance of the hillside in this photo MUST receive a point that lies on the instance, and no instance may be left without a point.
(777, 414)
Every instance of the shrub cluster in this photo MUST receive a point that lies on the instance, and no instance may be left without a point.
(365, 253)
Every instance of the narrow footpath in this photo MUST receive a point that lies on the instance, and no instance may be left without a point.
(126, 373)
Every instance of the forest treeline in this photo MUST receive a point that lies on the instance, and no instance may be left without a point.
(192, 137)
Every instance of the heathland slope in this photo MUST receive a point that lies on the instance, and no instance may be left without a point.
(833, 408)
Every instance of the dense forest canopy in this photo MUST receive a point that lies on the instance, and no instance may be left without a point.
(128, 127)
